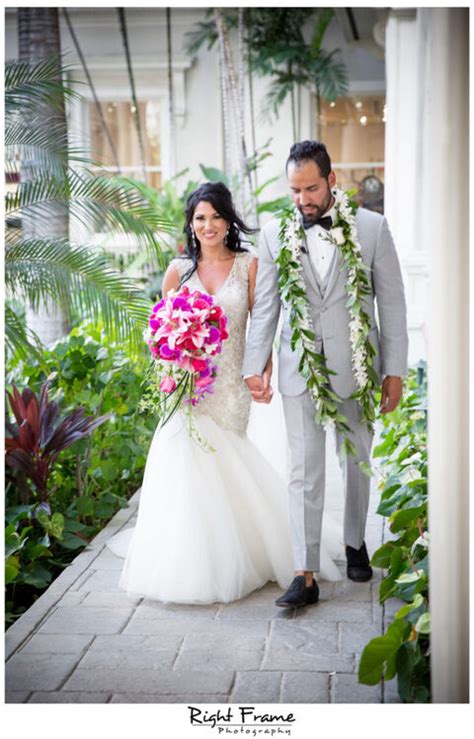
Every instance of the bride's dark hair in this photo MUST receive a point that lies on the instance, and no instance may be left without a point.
(220, 197)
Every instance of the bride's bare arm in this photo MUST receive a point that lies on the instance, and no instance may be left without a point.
(170, 280)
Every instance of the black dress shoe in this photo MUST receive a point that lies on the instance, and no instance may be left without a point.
(358, 568)
(299, 594)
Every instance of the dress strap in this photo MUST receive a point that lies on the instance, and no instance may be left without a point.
(244, 260)
(182, 265)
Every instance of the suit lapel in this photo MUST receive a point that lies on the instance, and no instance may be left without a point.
(334, 274)
(310, 277)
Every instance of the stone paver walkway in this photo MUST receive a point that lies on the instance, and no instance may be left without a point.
(84, 641)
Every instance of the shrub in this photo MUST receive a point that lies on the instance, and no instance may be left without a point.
(403, 651)
(92, 478)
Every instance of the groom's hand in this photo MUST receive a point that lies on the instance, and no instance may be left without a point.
(260, 388)
(392, 391)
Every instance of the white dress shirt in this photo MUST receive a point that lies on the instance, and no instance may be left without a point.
(320, 249)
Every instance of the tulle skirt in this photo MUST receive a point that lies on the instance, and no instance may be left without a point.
(212, 526)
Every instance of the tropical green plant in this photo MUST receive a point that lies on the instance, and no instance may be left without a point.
(88, 368)
(42, 266)
(29, 532)
(92, 478)
(277, 47)
(403, 651)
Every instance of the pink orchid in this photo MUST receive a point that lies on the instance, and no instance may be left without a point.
(167, 385)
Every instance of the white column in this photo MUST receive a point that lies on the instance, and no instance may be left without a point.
(403, 146)
(444, 215)
(401, 138)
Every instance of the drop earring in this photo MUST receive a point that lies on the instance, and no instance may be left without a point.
(225, 237)
(193, 239)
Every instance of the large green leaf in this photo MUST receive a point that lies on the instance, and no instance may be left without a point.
(379, 652)
(214, 175)
(12, 568)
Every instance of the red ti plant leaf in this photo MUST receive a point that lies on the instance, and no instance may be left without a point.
(48, 414)
(26, 438)
(38, 437)
(32, 416)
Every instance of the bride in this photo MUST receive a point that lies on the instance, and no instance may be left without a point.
(213, 526)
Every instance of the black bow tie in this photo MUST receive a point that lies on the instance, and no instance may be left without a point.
(325, 222)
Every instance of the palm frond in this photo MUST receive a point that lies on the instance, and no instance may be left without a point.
(42, 149)
(19, 339)
(96, 202)
(324, 19)
(47, 140)
(76, 277)
(31, 83)
(206, 32)
(276, 96)
(330, 75)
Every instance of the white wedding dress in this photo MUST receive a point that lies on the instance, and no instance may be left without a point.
(212, 526)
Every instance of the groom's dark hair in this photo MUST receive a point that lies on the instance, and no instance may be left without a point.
(314, 151)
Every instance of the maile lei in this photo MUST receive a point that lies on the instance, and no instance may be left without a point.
(312, 365)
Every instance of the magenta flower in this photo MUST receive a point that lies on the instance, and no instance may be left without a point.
(185, 330)
(167, 353)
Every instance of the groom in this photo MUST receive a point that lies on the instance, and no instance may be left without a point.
(311, 182)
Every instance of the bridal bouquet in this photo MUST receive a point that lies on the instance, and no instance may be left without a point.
(185, 331)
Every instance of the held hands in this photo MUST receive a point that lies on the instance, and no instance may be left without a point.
(259, 386)
(392, 391)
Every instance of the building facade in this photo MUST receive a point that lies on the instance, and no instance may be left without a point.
(184, 129)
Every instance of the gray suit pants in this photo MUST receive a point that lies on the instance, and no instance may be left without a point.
(307, 445)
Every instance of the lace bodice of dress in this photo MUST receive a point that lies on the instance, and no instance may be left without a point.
(229, 405)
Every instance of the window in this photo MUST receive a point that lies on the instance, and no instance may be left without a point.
(353, 129)
(121, 124)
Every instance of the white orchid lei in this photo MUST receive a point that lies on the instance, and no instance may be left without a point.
(312, 365)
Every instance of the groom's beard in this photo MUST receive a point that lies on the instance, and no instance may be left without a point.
(310, 218)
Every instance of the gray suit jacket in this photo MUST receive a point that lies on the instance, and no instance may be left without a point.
(329, 313)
